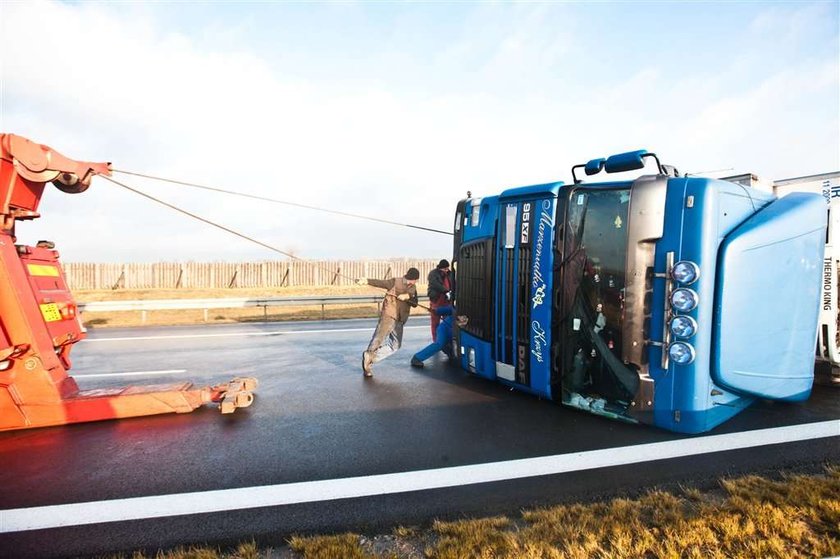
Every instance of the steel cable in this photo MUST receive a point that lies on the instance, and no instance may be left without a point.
(233, 232)
(276, 201)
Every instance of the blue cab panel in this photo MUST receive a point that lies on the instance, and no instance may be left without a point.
(699, 214)
(533, 191)
(480, 218)
(476, 356)
(523, 285)
(768, 300)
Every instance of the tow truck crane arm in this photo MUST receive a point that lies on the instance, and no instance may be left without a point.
(39, 322)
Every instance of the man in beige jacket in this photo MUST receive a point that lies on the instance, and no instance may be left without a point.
(396, 306)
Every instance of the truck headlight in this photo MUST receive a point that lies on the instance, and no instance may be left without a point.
(684, 299)
(685, 272)
(681, 353)
(683, 326)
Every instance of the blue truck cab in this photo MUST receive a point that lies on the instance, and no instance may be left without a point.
(668, 300)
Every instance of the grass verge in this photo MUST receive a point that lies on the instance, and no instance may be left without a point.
(796, 516)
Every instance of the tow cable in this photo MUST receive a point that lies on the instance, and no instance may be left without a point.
(251, 239)
(285, 202)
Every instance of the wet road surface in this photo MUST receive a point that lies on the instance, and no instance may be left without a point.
(315, 419)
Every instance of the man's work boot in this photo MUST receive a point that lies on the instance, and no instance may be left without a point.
(367, 362)
(416, 363)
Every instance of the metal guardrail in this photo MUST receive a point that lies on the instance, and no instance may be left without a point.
(206, 304)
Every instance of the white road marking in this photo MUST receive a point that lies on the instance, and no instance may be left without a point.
(133, 374)
(77, 514)
(238, 334)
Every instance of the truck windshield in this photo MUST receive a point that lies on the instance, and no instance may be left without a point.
(595, 251)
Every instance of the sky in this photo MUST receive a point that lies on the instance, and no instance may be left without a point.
(393, 110)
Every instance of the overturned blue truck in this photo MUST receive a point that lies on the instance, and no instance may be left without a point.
(668, 300)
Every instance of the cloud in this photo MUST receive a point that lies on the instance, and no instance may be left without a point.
(508, 96)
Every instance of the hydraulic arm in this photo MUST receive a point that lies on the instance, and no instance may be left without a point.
(39, 322)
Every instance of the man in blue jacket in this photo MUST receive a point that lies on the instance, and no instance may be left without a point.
(443, 339)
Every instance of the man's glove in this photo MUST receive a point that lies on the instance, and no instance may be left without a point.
(404, 297)
(448, 295)
(361, 281)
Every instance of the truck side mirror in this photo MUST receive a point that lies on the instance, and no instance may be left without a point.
(621, 162)
(594, 166)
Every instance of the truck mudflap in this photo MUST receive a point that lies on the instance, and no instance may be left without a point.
(766, 317)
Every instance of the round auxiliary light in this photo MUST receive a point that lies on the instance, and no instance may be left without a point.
(683, 326)
(685, 272)
(681, 353)
(684, 299)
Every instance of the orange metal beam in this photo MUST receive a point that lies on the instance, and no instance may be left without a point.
(38, 319)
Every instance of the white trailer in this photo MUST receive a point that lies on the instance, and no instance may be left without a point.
(828, 185)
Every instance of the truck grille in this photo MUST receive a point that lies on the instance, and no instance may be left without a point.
(508, 287)
(513, 317)
(515, 264)
(523, 314)
(474, 284)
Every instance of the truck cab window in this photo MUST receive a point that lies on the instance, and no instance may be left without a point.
(593, 287)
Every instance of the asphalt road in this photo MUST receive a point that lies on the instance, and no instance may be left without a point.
(315, 419)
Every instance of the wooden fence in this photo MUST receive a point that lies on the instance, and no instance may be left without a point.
(214, 275)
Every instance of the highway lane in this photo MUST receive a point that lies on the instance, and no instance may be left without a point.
(316, 419)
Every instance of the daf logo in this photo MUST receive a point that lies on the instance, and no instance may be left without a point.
(522, 353)
(526, 223)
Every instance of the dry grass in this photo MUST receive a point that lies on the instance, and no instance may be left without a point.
(797, 516)
(330, 547)
(405, 531)
(246, 550)
(217, 316)
(482, 537)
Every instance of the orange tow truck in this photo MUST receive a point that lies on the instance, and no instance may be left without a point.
(39, 320)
